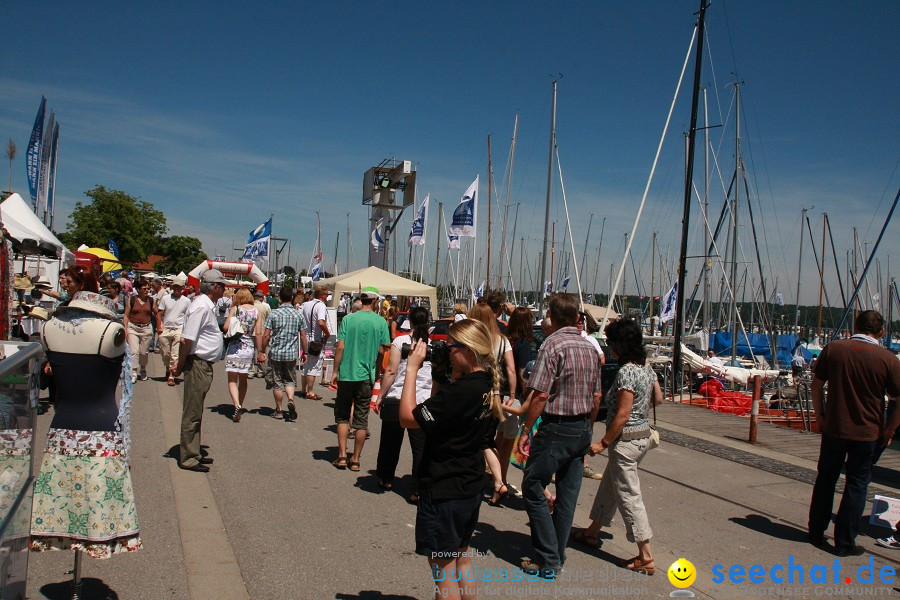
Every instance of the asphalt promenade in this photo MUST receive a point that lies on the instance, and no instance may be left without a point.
(273, 519)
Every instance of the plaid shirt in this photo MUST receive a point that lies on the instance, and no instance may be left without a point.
(286, 323)
(568, 369)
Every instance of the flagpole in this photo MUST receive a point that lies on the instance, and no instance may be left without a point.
(474, 237)
(437, 253)
(547, 209)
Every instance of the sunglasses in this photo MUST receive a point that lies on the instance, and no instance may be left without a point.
(451, 346)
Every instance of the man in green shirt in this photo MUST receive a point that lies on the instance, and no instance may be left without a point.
(362, 340)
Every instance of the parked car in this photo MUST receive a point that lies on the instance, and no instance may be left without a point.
(439, 329)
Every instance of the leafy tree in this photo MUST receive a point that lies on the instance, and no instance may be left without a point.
(182, 253)
(134, 224)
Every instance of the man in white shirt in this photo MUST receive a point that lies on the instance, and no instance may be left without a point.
(170, 314)
(199, 348)
(316, 316)
(263, 309)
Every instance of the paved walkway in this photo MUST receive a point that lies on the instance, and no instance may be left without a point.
(273, 519)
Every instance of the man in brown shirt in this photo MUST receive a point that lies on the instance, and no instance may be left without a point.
(859, 374)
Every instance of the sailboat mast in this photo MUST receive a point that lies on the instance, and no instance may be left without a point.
(347, 264)
(652, 282)
(734, 215)
(705, 215)
(549, 192)
(688, 184)
(799, 267)
(821, 277)
(440, 232)
(490, 212)
(587, 238)
(336, 242)
(512, 162)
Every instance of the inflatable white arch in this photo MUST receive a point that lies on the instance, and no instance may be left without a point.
(229, 268)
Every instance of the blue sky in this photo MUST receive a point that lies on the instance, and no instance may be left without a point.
(221, 113)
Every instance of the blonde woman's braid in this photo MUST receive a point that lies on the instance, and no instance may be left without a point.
(496, 399)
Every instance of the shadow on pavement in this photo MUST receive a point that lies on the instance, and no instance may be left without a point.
(90, 588)
(328, 454)
(226, 410)
(371, 595)
(771, 528)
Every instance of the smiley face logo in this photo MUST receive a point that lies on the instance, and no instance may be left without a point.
(682, 573)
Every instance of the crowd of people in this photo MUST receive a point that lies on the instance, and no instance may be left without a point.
(470, 408)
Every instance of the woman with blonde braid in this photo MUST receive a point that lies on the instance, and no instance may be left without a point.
(455, 421)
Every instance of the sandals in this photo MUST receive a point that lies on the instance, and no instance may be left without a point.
(313, 396)
(277, 415)
(340, 462)
(639, 566)
(353, 465)
(585, 539)
(499, 495)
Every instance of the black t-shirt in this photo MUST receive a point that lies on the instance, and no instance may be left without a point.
(455, 421)
(521, 353)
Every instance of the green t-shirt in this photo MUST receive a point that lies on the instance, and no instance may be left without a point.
(362, 333)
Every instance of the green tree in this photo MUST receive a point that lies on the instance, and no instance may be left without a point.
(134, 224)
(182, 253)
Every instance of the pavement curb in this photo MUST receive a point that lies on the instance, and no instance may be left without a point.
(209, 559)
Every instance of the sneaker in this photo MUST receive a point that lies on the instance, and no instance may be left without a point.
(143, 376)
(133, 377)
(532, 568)
(589, 473)
(889, 542)
(292, 411)
(514, 491)
(236, 417)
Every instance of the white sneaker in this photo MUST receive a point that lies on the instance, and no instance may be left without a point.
(589, 473)
(133, 377)
(889, 542)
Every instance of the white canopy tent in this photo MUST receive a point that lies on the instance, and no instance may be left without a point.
(22, 224)
(384, 282)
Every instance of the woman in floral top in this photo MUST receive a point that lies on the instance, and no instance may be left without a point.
(628, 439)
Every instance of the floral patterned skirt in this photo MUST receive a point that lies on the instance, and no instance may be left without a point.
(83, 497)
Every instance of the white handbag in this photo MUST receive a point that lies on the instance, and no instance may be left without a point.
(235, 329)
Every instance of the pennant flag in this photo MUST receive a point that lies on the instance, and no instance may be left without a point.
(113, 248)
(316, 272)
(44, 169)
(480, 291)
(417, 233)
(257, 247)
(378, 236)
(33, 154)
(465, 215)
(51, 177)
(779, 299)
(668, 304)
(564, 284)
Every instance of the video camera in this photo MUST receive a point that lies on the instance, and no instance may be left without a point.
(437, 353)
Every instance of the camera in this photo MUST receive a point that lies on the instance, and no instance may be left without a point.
(437, 353)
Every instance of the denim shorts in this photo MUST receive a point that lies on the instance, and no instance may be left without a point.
(442, 528)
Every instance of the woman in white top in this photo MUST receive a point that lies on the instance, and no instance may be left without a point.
(507, 364)
(459, 311)
(388, 406)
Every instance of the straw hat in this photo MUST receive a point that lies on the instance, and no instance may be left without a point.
(23, 282)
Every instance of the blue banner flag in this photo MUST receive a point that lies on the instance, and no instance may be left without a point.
(564, 284)
(668, 306)
(316, 272)
(480, 291)
(465, 215)
(417, 233)
(113, 247)
(33, 154)
(44, 170)
(257, 247)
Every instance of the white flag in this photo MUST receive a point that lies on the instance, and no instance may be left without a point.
(779, 299)
(669, 303)
(876, 301)
(465, 215)
(378, 236)
(417, 233)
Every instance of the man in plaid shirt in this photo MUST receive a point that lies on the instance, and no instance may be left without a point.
(281, 339)
(564, 391)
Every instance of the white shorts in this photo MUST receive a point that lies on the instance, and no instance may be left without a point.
(313, 365)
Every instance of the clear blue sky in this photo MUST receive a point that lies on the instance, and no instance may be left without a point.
(221, 113)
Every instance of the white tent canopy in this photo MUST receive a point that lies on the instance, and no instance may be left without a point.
(22, 224)
(384, 282)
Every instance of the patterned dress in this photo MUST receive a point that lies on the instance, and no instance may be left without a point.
(239, 354)
(83, 495)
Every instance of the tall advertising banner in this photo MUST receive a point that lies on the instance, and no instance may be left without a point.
(33, 153)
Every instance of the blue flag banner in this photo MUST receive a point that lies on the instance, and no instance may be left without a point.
(547, 289)
(33, 153)
(378, 236)
(113, 247)
(668, 305)
(417, 233)
(316, 272)
(564, 284)
(480, 291)
(465, 215)
(44, 169)
(257, 247)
